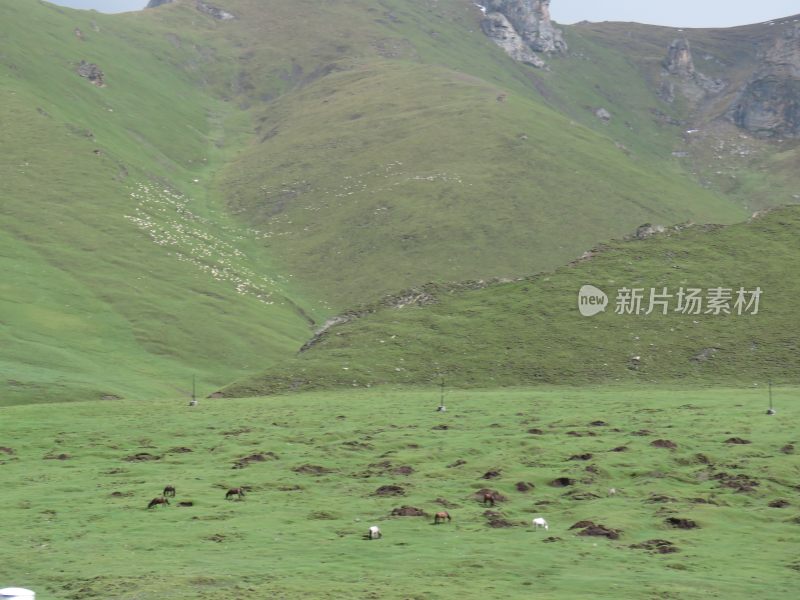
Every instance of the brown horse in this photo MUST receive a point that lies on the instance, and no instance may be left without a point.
(488, 497)
(169, 491)
(439, 517)
(156, 501)
(235, 492)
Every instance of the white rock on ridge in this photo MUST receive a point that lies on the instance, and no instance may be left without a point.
(531, 20)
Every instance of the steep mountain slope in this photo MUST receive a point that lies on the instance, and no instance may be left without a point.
(530, 331)
(120, 273)
(725, 99)
(426, 153)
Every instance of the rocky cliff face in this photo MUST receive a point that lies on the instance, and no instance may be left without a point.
(679, 59)
(769, 105)
(214, 12)
(679, 67)
(502, 32)
(157, 3)
(522, 27)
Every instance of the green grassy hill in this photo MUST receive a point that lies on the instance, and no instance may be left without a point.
(236, 182)
(122, 276)
(530, 331)
(426, 153)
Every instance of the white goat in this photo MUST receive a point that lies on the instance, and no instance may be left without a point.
(374, 532)
(540, 522)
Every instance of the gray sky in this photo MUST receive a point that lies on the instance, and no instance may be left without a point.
(107, 6)
(678, 13)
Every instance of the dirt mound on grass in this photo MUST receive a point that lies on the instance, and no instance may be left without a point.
(54, 456)
(498, 497)
(779, 504)
(601, 531)
(402, 470)
(181, 450)
(664, 444)
(446, 503)
(491, 475)
(739, 482)
(253, 458)
(679, 523)
(737, 440)
(141, 457)
(312, 470)
(582, 433)
(523, 486)
(7, 450)
(585, 456)
(562, 482)
(578, 495)
(499, 522)
(658, 498)
(657, 546)
(408, 511)
(390, 490)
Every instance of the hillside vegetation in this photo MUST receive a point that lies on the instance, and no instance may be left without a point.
(122, 275)
(530, 331)
(231, 184)
(424, 153)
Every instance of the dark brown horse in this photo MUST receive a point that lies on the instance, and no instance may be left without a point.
(169, 491)
(235, 492)
(439, 517)
(488, 497)
(156, 501)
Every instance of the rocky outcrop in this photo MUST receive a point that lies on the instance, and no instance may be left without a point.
(522, 28)
(157, 3)
(769, 106)
(214, 12)
(91, 72)
(500, 30)
(531, 20)
(679, 58)
(679, 65)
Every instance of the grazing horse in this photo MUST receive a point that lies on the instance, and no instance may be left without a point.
(235, 492)
(488, 497)
(169, 491)
(540, 522)
(156, 501)
(439, 517)
(374, 533)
